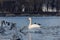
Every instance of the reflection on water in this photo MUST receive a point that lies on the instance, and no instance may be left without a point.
(44, 21)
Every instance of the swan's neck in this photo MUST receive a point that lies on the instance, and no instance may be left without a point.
(30, 22)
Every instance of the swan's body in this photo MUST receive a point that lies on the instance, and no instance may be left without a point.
(34, 26)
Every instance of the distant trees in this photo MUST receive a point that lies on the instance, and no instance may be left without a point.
(30, 6)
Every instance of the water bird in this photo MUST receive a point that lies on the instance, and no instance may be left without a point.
(32, 26)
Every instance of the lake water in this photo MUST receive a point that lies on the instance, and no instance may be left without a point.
(23, 21)
(46, 33)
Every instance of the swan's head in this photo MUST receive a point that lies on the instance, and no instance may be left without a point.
(29, 18)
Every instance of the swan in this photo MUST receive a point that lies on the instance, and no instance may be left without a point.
(33, 26)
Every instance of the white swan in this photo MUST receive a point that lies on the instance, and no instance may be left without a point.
(32, 26)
